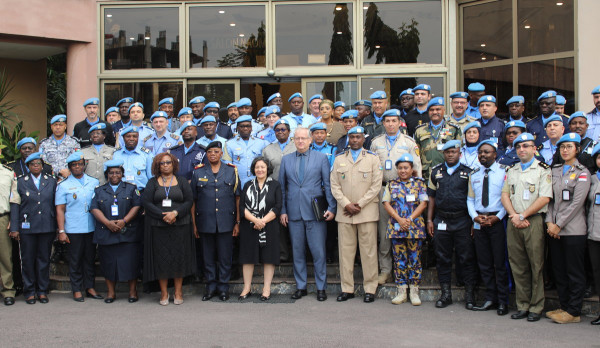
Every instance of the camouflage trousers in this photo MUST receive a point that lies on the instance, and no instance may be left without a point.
(407, 260)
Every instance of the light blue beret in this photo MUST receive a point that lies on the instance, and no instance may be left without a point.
(476, 87)
(452, 144)
(33, 156)
(113, 163)
(488, 142)
(211, 105)
(363, 102)
(516, 99)
(517, 123)
(75, 156)
(158, 114)
(523, 137)
(138, 104)
(243, 118)
(111, 109)
(185, 111)
(435, 102)
(391, 112)
(165, 101)
(357, 130)
(273, 109)
(407, 157)
(283, 121)
(263, 109)
(350, 114)
(58, 118)
(577, 114)
(463, 95)
(273, 96)
(596, 90)
(130, 129)
(318, 126)
(316, 96)
(25, 141)
(422, 87)
(232, 105)
(552, 118)
(337, 104)
(560, 100)
(378, 95)
(197, 100)
(243, 102)
(185, 125)
(546, 95)
(295, 95)
(209, 118)
(407, 91)
(486, 99)
(125, 100)
(596, 149)
(569, 137)
(97, 126)
(91, 101)
(474, 124)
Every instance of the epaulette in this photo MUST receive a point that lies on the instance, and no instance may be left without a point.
(556, 165)
(580, 166)
(377, 137)
(200, 165)
(512, 166)
(175, 136)
(502, 166)
(541, 146)
(11, 162)
(544, 165)
(475, 170)
(372, 153)
(231, 165)
(453, 125)
(421, 125)
(109, 146)
(145, 149)
(147, 138)
(341, 153)
(176, 146)
(7, 167)
(437, 166)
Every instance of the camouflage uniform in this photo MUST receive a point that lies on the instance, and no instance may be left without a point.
(56, 153)
(430, 142)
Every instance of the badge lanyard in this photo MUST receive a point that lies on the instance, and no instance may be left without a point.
(114, 208)
(389, 147)
(167, 202)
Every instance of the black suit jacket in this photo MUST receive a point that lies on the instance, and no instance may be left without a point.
(37, 206)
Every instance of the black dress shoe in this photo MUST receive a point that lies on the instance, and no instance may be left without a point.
(207, 296)
(109, 300)
(486, 306)
(520, 315)
(298, 294)
(321, 295)
(95, 297)
(344, 296)
(595, 322)
(43, 299)
(30, 300)
(534, 317)
(223, 296)
(502, 309)
(78, 299)
(132, 299)
(329, 260)
(369, 298)
(265, 298)
(9, 301)
(243, 297)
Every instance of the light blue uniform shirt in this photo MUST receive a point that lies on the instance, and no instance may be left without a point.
(158, 145)
(77, 197)
(256, 128)
(144, 132)
(138, 166)
(469, 156)
(243, 153)
(303, 120)
(593, 120)
(548, 151)
(267, 135)
(327, 149)
(473, 111)
(496, 181)
(204, 141)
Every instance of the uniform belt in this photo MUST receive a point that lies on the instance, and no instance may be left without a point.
(488, 214)
(3, 214)
(451, 215)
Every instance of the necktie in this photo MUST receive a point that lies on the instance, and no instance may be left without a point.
(485, 199)
(301, 168)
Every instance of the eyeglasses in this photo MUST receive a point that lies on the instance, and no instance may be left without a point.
(523, 146)
(567, 147)
(280, 130)
(301, 138)
(166, 163)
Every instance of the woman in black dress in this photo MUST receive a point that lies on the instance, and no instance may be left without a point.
(169, 250)
(260, 204)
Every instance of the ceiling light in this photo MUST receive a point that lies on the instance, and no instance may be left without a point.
(232, 24)
(371, 88)
(108, 15)
(365, 7)
(338, 8)
(483, 58)
(221, 12)
(339, 33)
(132, 38)
(559, 3)
(527, 27)
(147, 38)
(377, 46)
(482, 45)
(241, 35)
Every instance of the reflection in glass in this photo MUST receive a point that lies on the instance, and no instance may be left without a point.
(222, 93)
(555, 74)
(141, 38)
(545, 26)
(487, 31)
(227, 36)
(345, 91)
(303, 34)
(498, 82)
(403, 32)
(259, 90)
(393, 86)
(148, 93)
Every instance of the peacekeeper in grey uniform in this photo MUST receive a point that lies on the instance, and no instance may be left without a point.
(389, 146)
(525, 195)
(283, 146)
(56, 148)
(96, 154)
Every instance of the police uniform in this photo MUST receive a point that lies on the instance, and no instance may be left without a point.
(267, 134)
(593, 228)
(326, 148)
(223, 130)
(373, 125)
(158, 145)
(188, 158)
(356, 178)
(526, 246)
(137, 164)
(413, 119)
(204, 141)
(536, 127)
(33, 215)
(492, 129)
(242, 154)
(473, 111)
(8, 194)
(95, 159)
(55, 152)
(431, 140)
(216, 211)
(342, 144)
(144, 130)
(20, 168)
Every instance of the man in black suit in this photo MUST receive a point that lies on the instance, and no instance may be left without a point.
(80, 131)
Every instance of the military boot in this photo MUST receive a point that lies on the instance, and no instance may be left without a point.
(401, 296)
(414, 295)
(446, 298)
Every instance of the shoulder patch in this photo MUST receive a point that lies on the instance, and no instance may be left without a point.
(198, 166)
(175, 136)
(372, 153)
(377, 137)
(452, 125)
(556, 165)
(7, 167)
(544, 165)
(580, 166)
(145, 149)
(147, 138)
(231, 165)
(11, 162)
(437, 166)
(475, 170)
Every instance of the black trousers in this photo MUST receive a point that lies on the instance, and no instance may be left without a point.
(217, 247)
(594, 252)
(568, 255)
(331, 240)
(490, 247)
(444, 244)
(16, 260)
(81, 254)
(35, 262)
(285, 250)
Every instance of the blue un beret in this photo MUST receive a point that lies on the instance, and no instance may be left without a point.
(232, 105)
(97, 126)
(357, 130)
(243, 102)
(273, 109)
(569, 137)
(243, 118)
(560, 100)
(337, 104)
(422, 87)
(318, 126)
(211, 105)
(546, 95)
(596, 149)
(486, 99)
(391, 112)
(463, 95)
(363, 102)
(197, 100)
(516, 99)
(476, 87)
(523, 137)
(158, 114)
(138, 104)
(596, 90)
(488, 142)
(75, 156)
(33, 156)
(165, 101)
(283, 121)
(407, 91)
(316, 96)
(263, 109)
(435, 102)
(113, 163)
(350, 114)
(378, 95)
(130, 129)
(185, 111)
(58, 118)
(125, 100)
(577, 114)
(295, 95)
(111, 109)
(407, 157)
(552, 118)
(452, 144)
(474, 124)
(517, 123)
(185, 125)
(25, 141)
(209, 118)
(273, 96)
(91, 101)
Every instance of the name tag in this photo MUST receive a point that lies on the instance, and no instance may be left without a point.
(114, 210)
(442, 226)
(129, 178)
(526, 195)
(25, 225)
(388, 164)
(476, 226)
(410, 198)
(440, 147)
(597, 199)
(166, 203)
(566, 195)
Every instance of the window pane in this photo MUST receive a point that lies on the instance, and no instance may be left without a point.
(393, 86)
(227, 36)
(222, 93)
(487, 32)
(498, 82)
(403, 32)
(314, 34)
(141, 38)
(545, 26)
(345, 91)
(148, 93)
(259, 90)
(536, 78)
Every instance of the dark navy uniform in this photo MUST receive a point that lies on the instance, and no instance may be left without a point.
(536, 127)
(215, 197)
(223, 130)
(494, 130)
(342, 144)
(35, 220)
(509, 157)
(20, 168)
(189, 160)
(415, 118)
(452, 223)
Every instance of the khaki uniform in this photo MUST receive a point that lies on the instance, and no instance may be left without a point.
(430, 142)
(95, 161)
(8, 194)
(274, 154)
(526, 246)
(357, 182)
(460, 123)
(386, 151)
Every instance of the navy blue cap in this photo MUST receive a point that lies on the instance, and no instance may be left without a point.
(214, 144)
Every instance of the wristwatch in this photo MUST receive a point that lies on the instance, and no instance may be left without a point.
(521, 217)
(62, 231)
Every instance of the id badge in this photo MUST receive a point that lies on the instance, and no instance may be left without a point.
(440, 147)
(476, 226)
(566, 195)
(166, 203)
(597, 199)
(526, 195)
(114, 210)
(410, 198)
(442, 226)
(388, 164)
(25, 225)
(129, 178)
